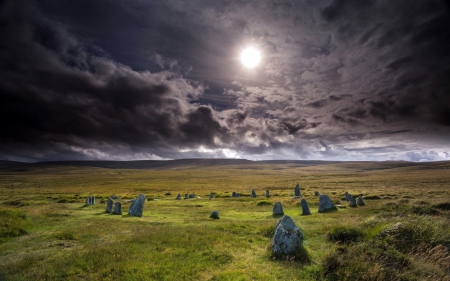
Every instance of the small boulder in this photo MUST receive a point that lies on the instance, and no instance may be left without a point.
(361, 201)
(192, 195)
(347, 196)
(287, 238)
(305, 208)
(115, 197)
(178, 197)
(109, 205)
(211, 195)
(117, 208)
(137, 206)
(214, 215)
(233, 194)
(267, 193)
(278, 209)
(253, 193)
(186, 196)
(325, 203)
(316, 193)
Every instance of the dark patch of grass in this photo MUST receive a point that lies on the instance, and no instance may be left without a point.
(424, 210)
(344, 234)
(263, 203)
(66, 235)
(267, 231)
(442, 206)
(372, 197)
(301, 255)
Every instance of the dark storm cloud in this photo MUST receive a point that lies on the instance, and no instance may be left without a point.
(339, 79)
(58, 95)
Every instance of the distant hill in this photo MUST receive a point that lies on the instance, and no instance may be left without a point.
(213, 162)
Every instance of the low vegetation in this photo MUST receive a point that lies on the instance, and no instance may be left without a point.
(46, 232)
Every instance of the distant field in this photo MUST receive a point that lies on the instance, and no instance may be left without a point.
(47, 234)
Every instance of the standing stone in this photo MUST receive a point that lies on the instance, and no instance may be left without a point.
(287, 238)
(238, 195)
(186, 196)
(316, 193)
(211, 195)
(352, 201)
(109, 205)
(347, 196)
(297, 191)
(325, 203)
(361, 201)
(267, 193)
(93, 200)
(178, 197)
(192, 195)
(117, 208)
(214, 215)
(115, 197)
(278, 209)
(233, 194)
(305, 208)
(253, 193)
(137, 206)
(87, 201)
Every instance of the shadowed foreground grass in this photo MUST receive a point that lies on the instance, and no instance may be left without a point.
(404, 234)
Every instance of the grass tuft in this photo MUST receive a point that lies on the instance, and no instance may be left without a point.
(344, 234)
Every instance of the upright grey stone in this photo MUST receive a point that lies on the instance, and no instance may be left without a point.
(297, 191)
(347, 196)
(287, 239)
(325, 203)
(93, 200)
(192, 195)
(214, 215)
(88, 201)
(115, 197)
(186, 196)
(316, 193)
(238, 195)
(361, 201)
(178, 197)
(267, 193)
(211, 195)
(137, 206)
(253, 193)
(117, 208)
(352, 201)
(109, 205)
(233, 194)
(278, 209)
(305, 208)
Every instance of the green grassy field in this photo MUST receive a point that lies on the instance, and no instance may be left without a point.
(46, 232)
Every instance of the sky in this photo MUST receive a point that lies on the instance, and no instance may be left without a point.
(346, 80)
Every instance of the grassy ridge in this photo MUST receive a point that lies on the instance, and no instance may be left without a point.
(175, 240)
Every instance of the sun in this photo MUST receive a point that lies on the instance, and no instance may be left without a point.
(250, 57)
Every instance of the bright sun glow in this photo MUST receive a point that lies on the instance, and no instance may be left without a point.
(250, 57)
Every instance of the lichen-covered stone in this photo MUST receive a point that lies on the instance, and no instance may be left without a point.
(267, 193)
(253, 194)
(192, 195)
(109, 205)
(361, 201)
(325, 203)
(137, 206)
(211, 195)
(178, 197)
(88, 201)
(287, 238)
(93, 200)
(278, 209)
(305, 208)
(233, 194)
(214, 215)
(186, 196)
(297, 191)
(316, 193)
(117, 208)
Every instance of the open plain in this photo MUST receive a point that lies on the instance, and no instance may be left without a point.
(46, 232)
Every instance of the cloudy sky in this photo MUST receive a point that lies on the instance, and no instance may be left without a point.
(149, 79)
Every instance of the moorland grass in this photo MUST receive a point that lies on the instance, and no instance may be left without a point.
(388, 239)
